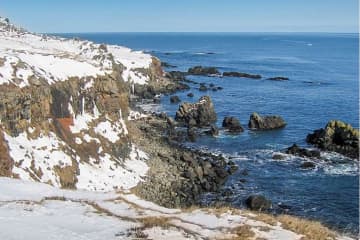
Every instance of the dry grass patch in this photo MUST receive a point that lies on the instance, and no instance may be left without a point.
(149, 222)
(310, 229)
(242, 232)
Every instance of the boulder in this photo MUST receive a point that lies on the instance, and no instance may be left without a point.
(278, 78)
(232, 124)
(175, 99)
(190, 95)
(201, 114)
(257, 122)
(302, 152)
(191, 132)
(258, 203)
(308, 164)
(204, 71)
(337, 137)
(241, 75)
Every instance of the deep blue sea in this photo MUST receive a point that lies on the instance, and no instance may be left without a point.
(324, 85)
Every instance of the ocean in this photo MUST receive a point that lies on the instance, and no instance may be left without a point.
(323, 69)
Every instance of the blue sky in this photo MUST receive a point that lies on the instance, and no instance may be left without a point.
(183, 15)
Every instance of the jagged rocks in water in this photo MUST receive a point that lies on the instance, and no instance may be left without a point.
(201, 114)
(190, 95)
(232, 124)
(257, 122)
(337, 137)
(176, 75)
(258, 203)
(167, 65)
(205, 71)
(278, 78)
(191, 132)
(241, 75)
(302, 152)
(175, 99)
(213, 131)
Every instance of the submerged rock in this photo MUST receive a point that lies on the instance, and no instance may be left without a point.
(175, 99)
(258, 203)
(232, 124)
(278, 78)
(190, 95)
(337, 137)
(257, 122)
(204, 71)
(203, 88)
(302, 152)
(201, 114)
(241, 75)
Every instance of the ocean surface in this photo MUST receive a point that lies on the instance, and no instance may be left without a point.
(324, 85)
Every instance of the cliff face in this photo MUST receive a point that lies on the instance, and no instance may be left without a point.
(64, 110)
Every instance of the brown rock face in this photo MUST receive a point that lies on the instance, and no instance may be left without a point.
(337, 137)
(6, 163)
(200, 114)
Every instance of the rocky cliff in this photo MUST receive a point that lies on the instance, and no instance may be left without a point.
(64, 109)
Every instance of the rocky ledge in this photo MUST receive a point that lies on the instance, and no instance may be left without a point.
(337, 136)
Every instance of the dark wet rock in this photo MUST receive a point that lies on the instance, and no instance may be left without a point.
(214, 131)
(162, 115)
(192, 135)
(201, 114)
(241, 75)
(278, 156)
(308, 164)
(337, 137)
(176, 75)
(204, 71)
(258, 203)
(175, 99)
(203, 88)
(227, 192)
(243, 180)
(190, 95)
(302, 152)
(278, 78)
(220, 88)
(257, 122)
(156, 100)
(167, 65)
(233, 168)
(211, 85)
(232, 124)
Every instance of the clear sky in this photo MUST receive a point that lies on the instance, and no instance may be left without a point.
(183, 15)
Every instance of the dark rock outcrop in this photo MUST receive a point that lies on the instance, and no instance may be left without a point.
(204, 71)
(241, 75)
(257, 122)
(337, 137)
(176, 75)
(258, 203)
(308, 165)
(203, 88)
(175, 99)
(190, 95)
(232, 124)
(213, 131)
(278, 78)
(302, 152)
(167, 65)
(201, 114)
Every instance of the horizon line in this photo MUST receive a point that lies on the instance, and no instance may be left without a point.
(226, 32)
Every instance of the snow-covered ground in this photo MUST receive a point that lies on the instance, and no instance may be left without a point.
(30, 210)
(24, 55)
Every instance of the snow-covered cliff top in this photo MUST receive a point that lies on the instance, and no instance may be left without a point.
(24, 55)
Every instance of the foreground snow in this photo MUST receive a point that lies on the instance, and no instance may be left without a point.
(30, 210)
